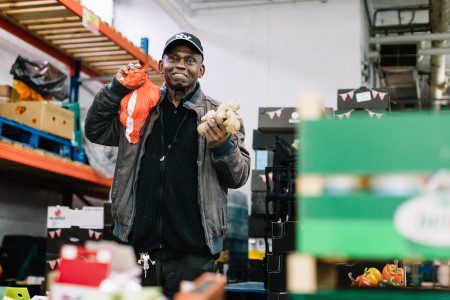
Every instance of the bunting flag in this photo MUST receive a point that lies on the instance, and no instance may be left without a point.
(374, 94)
(52, 264)
(371, 114)
(52, 234)
(58, 232)
(351, 94)
(340, 117)
(278, 112)
(343, 96)
(263, 178)
(91, 233)
(97, 235)
(382, 96)
(378, 115)
(271, 176)
(273, 113)
(347, 114)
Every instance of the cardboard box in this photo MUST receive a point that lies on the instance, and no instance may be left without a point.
(263, 159)
(259, 180)
(256, 270)
(71, 226)
(259, 204)
(40, 115)
(278, 119)
(363, 98)
(276, 273)
(284, 236)
(266, 141)
(5, 91)
(257, 226)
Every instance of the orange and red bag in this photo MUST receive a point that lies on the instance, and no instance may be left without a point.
(137, 105)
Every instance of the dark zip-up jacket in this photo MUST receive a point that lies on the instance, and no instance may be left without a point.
(226, 166)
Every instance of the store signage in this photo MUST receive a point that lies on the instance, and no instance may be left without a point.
(295, 118)
(91, 21)
(425, 220)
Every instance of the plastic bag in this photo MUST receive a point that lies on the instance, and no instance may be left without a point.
(42, 77)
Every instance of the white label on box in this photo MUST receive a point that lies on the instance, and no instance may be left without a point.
(425, 220)
(64, 217)
(361, 97)
(65, 291)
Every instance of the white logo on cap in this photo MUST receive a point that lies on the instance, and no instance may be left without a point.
(183, 36)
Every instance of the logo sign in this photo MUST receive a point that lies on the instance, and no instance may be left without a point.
(91, 21)
(425, 220)
(183, 36)
(295, 118)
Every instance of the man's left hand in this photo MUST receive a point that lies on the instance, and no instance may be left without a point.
(216, 134)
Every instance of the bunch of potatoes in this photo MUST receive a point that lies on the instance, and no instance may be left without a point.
(226, 115)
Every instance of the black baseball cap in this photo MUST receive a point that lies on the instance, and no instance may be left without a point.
(184, 38)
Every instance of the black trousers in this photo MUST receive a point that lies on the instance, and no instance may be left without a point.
(171, 267)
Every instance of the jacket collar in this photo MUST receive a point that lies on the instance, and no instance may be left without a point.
(195, 98)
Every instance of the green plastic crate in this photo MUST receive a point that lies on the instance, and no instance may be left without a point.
(374, 295)
(357, 227)
(398, 143)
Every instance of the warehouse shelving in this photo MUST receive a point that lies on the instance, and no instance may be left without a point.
(38, 168)
(56, 28)
(364, 225)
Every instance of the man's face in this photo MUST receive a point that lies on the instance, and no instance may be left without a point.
(181, 67)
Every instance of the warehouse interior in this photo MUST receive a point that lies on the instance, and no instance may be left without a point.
(345, 107)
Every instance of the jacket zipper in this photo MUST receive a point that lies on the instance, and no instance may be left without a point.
(161, 175)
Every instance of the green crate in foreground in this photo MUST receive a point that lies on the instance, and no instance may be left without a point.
(362, 227)
(406, 142)
(374, 295)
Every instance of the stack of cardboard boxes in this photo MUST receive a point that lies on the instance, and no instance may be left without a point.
(274, 124)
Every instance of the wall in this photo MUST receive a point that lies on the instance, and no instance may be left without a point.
(263, 55)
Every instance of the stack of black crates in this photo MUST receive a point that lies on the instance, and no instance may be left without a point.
(273, 213)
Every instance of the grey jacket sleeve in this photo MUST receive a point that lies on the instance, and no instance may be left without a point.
(232, 161)
(102, 125)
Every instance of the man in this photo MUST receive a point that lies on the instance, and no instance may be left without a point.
(169, 191)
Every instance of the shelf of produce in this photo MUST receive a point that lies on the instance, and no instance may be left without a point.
(49, 171)
(392, 294)
(56, 27)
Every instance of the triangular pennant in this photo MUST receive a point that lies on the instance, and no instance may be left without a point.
(271, 176)
(52, 264)
(271, 114)
(371, 114)
(91, 233)
(340, 117)
(378, 115)
(58, 232)
(278, 112)
(351, 94)
(343, 96)
(263, 178)
(97, 235)
(347, 114)
(52, 234)
(382, 96)
(374, 94)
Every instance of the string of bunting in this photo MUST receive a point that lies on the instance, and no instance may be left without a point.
(351, 94)
(53, 263)
(275, 112)
(371, 114)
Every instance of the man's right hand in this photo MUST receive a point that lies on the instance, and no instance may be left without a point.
(123, 72)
